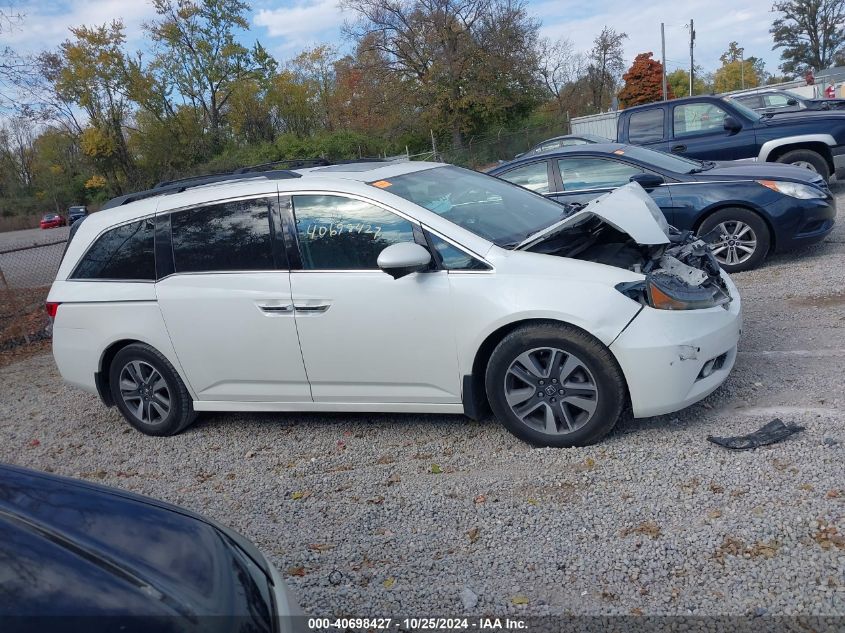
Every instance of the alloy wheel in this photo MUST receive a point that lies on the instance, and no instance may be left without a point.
(806, 165)
(145, 392)
(551, 390)
(737, 243)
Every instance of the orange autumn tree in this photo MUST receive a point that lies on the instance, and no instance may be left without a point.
(643, 82)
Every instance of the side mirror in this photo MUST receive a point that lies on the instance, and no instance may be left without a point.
(398, 260)
(791, 102)
(647, 181)
(732, 125)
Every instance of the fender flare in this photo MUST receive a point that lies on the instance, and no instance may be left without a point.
(769, 146)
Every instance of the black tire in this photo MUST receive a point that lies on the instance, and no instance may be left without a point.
(733, 218)
(139, 359)
(598, 364)
(804, 157)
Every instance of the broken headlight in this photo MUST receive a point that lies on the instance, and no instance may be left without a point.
(793, 189)
(664, 292)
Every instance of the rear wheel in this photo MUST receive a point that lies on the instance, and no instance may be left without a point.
(739, 238)
(553, 385)
(808, 159)
(148, 391)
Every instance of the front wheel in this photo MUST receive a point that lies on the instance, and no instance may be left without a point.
(808, 159)
(739, 238)
(554, 385)
(148, 391)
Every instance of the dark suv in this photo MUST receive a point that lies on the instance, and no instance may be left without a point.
(718, 128)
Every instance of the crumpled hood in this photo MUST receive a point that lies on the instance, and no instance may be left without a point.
(628, 209)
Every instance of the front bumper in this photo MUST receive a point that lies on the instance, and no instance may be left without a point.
(662, 354)
(799, 223)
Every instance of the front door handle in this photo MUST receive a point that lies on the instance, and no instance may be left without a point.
(275, 308)
(679, 148)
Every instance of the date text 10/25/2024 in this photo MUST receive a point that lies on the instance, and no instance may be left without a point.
(417, 624)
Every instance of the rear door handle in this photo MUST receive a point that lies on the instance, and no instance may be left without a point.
(679, 148)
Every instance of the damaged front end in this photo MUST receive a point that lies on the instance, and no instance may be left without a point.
(626, 229)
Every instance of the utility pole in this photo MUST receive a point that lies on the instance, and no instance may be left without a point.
(663, 57)
(691, 57)
(742, 68)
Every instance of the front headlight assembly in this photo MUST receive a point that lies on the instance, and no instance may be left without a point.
(663, 292)
(793, 189)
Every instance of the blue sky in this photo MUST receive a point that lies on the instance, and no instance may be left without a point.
(287, 26)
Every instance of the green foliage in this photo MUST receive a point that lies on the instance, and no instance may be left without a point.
(737, 71)
(810, 34)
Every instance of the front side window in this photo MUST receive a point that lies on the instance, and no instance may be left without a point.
(646, 126)
(699, 118)
(594, 173)
(223, 237)
(123, 253)
(339, 233)
(487, 206)
(534, 177)
(775, 100)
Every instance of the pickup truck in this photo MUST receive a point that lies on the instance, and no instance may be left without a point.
(716, 128)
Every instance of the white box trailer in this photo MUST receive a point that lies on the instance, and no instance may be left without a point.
(603, 124)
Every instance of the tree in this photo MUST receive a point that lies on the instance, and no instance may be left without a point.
(643, 82)
(811, 34)
(89, 72)
(737, 71)
(199, 53)
(678, 81)
(560, 68)
(606, 63)
(15, 70)
(468, 63)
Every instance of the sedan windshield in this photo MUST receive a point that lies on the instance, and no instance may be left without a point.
(745, 110)
(496, 210)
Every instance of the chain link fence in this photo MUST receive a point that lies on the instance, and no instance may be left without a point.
(26, 273)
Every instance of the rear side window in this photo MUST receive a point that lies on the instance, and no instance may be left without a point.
(646, 126)
(125, 252)
(223, 237)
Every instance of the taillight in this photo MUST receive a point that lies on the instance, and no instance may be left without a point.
(52, 308)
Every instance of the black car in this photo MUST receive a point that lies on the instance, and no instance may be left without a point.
(75, 556)
(567, 140)
(774, 101)
(75, 213)
(745, 209)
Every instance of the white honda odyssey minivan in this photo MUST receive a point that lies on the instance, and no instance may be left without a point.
(390, 286)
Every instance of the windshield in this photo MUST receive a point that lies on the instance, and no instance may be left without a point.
(661, 160)
(496, 210)
(744, 110)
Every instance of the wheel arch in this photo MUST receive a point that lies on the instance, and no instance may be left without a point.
(720, 206)
(819, 147)
(474, 391)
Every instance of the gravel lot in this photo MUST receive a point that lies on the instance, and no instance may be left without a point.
(413, 512)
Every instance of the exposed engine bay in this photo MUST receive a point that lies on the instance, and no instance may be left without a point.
(626, 229)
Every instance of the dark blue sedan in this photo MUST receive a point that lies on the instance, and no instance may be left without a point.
(744, 209)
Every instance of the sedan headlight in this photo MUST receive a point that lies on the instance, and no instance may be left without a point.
(667, 293)
(793, 189)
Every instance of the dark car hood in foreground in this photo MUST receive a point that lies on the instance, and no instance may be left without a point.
(70, 548)
(744, 170)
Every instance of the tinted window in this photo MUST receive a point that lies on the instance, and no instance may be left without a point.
(337, 233)
(534, 177)
(594, 173)
(223, 237)
(124, 252)
(699, 118)
(752, 101)
(453, 258)
(646, 126)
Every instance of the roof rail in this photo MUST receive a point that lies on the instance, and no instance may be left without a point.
(177, 186)
(301, 163)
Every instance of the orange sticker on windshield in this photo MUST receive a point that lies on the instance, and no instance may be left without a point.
(381, 184)
(619, 151)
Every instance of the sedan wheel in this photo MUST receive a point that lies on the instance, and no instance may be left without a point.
(736, 245)
(551, 391)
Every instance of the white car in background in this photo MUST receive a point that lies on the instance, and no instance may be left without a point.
(394, 287)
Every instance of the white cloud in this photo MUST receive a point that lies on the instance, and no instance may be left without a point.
(301, 24)
(46, 25)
